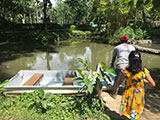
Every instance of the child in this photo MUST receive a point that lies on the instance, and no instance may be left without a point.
(132, 103)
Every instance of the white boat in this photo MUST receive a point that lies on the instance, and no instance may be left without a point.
(54, 81)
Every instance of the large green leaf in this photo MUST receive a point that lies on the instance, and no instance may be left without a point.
(101, 76)
(119, 1)
(81, 81)
(81, 68)
(90, 88)
(103, 66)
(94, 76)
(111, 71)
(126, 1)
(44, 104)
(80, 72)
(41, 93)
(82, 61)
(87, 81)
(3, 84)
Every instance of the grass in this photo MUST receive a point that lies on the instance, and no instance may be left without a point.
(40, 106)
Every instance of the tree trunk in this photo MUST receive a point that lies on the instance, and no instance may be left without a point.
(30, 18)
(45, 15)
(23, 18)
(99, 93)
(48, 59)
(50, 15)
(144, 16)
(98, 22)
(36, 16)
(135, 18)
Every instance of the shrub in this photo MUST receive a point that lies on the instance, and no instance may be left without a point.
(140, 34)
(128, 31)
(80, 33)
(42, 37)
(132, 34)
(72, 27)
(51, 106)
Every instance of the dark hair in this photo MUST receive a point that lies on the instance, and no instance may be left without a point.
(135, 62)
(124, 41)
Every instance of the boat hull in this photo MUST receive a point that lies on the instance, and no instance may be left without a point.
(52, 81)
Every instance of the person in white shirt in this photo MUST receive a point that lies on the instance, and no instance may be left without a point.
(121, 52)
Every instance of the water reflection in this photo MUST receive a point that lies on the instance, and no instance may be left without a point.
(154, 46)
(151, 60)
(65, 59)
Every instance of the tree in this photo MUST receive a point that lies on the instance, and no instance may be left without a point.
(63, 14)
(46, 3)
(80, 10)
(99, 12)
(139, 8)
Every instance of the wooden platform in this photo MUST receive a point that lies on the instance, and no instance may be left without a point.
(113, 104)
(33, 80)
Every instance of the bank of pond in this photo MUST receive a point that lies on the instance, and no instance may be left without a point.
(40, 106)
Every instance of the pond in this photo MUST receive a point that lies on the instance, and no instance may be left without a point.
(60, 57)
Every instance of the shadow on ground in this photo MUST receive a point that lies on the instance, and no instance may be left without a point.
(113, 115)
(152, 102)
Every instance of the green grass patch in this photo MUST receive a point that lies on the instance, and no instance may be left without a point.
(40, 106)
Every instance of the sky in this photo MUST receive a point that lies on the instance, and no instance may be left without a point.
(53, 2)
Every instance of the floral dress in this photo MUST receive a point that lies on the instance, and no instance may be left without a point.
(132, 103)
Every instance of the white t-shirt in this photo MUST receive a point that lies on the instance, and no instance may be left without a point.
(122, 52)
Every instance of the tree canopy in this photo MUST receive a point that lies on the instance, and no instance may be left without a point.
(113, 13)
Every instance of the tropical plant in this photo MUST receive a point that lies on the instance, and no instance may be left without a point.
(55, 106)
(2, 94)
(141, 34)
(132, 34)
(72, 27)
(80, 10)
(127, 31)
(93, 80)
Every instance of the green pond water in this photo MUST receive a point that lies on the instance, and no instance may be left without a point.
(14, 58)
(154, 46)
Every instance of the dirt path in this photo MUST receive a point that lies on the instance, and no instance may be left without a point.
(151, 110)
